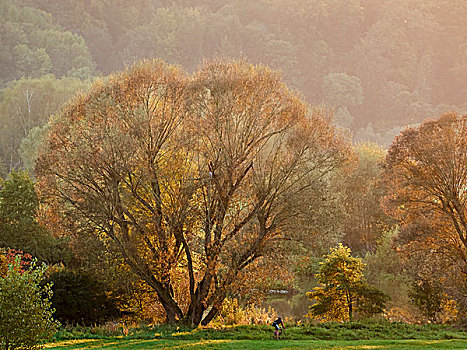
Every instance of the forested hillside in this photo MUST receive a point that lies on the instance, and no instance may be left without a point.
(380, 64)
(152, 146)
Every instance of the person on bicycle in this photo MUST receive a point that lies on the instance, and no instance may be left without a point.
(276, 324)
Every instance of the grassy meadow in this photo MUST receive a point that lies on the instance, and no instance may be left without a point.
(256, 344)
(354, 335)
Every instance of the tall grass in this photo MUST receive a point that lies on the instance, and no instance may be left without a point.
(325, 331)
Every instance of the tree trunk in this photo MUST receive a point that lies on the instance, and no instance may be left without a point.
(170, 314)
(197, 305)
(196, 308)
(212, 313)
(195, 314)
(172, 310)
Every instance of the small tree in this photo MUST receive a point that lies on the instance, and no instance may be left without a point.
(25, 314)
(427, 296)
(343, 288)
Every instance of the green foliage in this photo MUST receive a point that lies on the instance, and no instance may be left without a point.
(370, 300)
(384, 263)
(326, 331)
(32, 63)
(35, 45)
(427, 296)
(388, 64)
(25, 313)
(18, 199)
(343, 118)
(360, 190)
(3, 171)
(343, 288)
(342, 90)
(26, 104)
(29, 148)
(385, 271)
(18, 203)
(19, 228)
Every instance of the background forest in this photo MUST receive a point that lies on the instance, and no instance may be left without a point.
(379, 65)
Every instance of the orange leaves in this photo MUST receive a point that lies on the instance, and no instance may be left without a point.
(188, 175)
(426, 172)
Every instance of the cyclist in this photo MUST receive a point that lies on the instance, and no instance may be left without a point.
(276, 324)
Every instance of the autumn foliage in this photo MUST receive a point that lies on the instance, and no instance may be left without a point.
(426, 170)
(343, 289)
(191, 178)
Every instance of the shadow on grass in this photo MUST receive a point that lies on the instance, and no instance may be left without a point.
(136, 344)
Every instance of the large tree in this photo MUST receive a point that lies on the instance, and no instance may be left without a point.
(192, 178)
(426, 169)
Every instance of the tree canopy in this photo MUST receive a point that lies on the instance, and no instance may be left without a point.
(401, 61)
(426, 169)
(19, 223)
(32, 45)
(188, 175)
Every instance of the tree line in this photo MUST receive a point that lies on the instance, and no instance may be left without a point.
(194, 182)
(380, 65)
(180, 190)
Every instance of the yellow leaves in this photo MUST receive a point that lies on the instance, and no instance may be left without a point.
(189, 173)
(3, 265)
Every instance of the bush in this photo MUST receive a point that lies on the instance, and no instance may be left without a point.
(232, 313)
(25, 313)
(430, 300)
(77, 298)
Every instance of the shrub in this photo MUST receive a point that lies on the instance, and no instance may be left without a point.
(232, 313)
(77, 298)
(25, 313)
(430, 300)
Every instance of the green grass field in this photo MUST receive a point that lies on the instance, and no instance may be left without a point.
(230, 344)
(352, 335)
